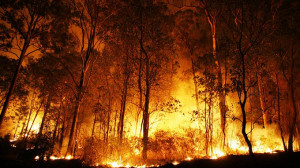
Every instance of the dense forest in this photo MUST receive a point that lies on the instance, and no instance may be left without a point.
(131, 81)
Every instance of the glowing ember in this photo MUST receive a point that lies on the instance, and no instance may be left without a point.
(36, 158)
(115, 164)
(188, 159)
(136, 151)
(219, 153)
(68, 157)
(175, 163)
(53, 158)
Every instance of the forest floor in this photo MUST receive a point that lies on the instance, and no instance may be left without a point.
(282, 160)
(11, 157)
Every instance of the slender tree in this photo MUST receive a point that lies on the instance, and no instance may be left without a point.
(26, 20)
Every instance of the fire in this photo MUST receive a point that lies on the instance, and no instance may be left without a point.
(218, 153)
(69, 157)
(175, 163)
(115, 164)
(188, 159)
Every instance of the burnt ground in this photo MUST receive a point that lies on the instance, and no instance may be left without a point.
(14, 157)
(283, 160)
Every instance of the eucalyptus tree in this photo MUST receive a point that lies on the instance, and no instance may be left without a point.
(285, 47)
(25, 20)
(153, 27)
(89, 18)
(246, 38)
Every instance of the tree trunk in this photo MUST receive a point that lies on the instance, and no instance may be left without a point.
(147, 101)
(94, 123)
(242, 100)
(108, 113)
(73, 127)
(279, 116)
(37, 112)
(146, 115)
(244, 131)
(122, 111)
(123, 99)
(221, 95)
(29, 116)
(80, 91)
(47, 106)
(56, 124)
(195, 84)
(14, 79)
(262, 101)
(291, 87)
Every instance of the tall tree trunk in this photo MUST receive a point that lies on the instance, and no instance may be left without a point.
(37, 112)
(242, 101)
(47, 107)
(29, 116)
(141, 109)
(94, 123)
(122, 111)
(291, 87)
(262, 101)
(147, 98)
(195, 84)
(146, 111)
(108, 112)
(56, 124)
(73, 126)
(123, 99)
(244, 131)
(278, 114)
(206, 124)
(80, 89)
(17, 126)
(221, 95)
(14, 79)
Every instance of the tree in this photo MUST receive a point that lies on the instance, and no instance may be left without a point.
(246, 38)
(90, 15)
(153, 40)
(191, 41)
(212, 11)
(26, 20)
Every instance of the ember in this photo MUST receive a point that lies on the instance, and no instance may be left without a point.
(144, 83)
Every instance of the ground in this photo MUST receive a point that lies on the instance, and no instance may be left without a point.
(282, 160)
(12, 157)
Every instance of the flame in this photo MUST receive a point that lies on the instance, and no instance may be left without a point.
(188, 159)
(115, 164)
(219, 153)
(175, 163)
(69, 157)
